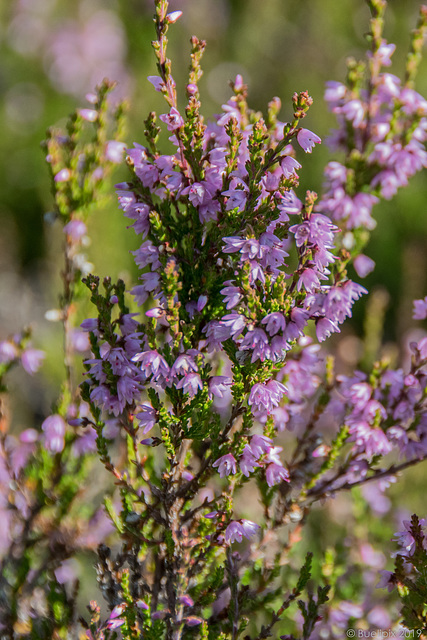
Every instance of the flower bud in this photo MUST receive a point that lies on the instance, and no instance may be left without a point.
(191, 89)
(173, 17)
(63, 176)
(90, 115)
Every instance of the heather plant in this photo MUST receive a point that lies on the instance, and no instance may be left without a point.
(208, 394)
(47, 513)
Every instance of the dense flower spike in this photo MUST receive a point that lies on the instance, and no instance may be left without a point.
(383, 123)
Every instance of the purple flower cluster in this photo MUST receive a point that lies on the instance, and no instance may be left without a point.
(387, 125)
(383, 415)
(236, 530)
(260, 452)
(236, 270)
(17, 349)
(406, 540)
(255, 301)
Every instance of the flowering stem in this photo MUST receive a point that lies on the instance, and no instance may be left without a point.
(321, 492)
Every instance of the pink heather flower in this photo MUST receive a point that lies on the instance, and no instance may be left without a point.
(275, 322)
(32, 359)
(256, 338)
(236, 198)
(197, 193)
(114, 151)
(233, 244)
(190, 383)
(360, 393)
(289, 166)
(321, 451)
(234, 322)
(155, 312)
(421, 347)
(147, 173)
(159, 615)
(386, 580)
(192, 621)
(8, 351)
(260, 445)
(86, 443)
(146, 416)
(173, 119)
(301, 233)
(324, 328)
(266, 397)
(76, 229)
(384, 53)
(117, 611)
(335, 91)
(276, 473)
(307, 139)
(309, 279)
(420, 309)
(115, 624)
(80, 341)
(201, 303)
(128, 390)
(405, 540)
(54, 431)
(249, 528)
(90, 115)
(363, 265)
(63, 176)
(372, 441)
(248, 461)
(271, 182)
(238, 83)
(183, 364)
(273, 455)
(389, 183)
(232, 295)
(281, 418)
(218, 385)
(157, 82)
(152, 363)
(354, 111)
(234, 532)
(29, 436)
(226, 465)
(173, 16)
(90, 324)
(212, 515)
(186, 600)
(289, 203)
